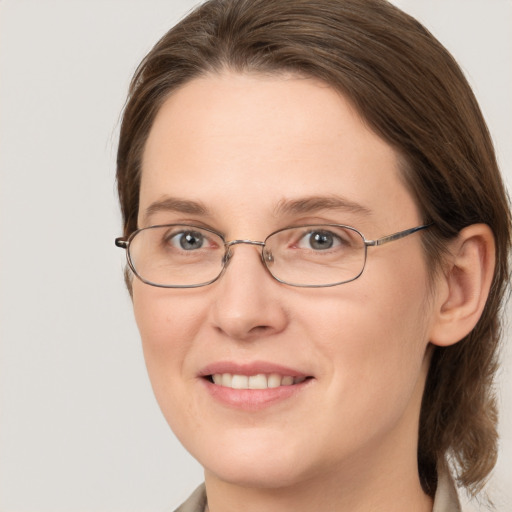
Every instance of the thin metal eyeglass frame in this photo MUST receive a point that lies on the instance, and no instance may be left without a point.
(124, 243)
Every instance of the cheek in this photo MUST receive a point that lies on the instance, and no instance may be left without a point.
(167, 328)
(373, 340)
(370, 339)
(165, 317)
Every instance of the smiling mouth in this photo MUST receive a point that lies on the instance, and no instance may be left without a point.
(259, 381)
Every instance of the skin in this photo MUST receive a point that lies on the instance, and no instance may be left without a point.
(242, 144)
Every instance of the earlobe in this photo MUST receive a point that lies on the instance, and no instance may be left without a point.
(464, 285)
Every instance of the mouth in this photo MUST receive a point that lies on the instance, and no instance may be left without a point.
(255, 382)
(253, 386)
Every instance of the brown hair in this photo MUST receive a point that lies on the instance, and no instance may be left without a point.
(412, 93)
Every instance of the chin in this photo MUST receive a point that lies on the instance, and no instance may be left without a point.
(252, 460)
(268, 474)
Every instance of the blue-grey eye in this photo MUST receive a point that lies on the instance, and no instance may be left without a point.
(188, 240)
(319, 240)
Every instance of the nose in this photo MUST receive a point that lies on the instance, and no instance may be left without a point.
(248, 301)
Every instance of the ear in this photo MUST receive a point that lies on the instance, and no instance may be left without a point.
(464, 285)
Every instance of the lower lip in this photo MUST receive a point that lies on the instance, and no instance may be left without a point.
(253, 399)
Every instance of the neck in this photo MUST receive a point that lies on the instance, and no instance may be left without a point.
(356, 489)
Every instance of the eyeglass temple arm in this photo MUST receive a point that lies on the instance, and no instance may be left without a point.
(395, 236)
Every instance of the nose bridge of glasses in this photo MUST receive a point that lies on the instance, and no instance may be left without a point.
(228, 245)
(237, 242)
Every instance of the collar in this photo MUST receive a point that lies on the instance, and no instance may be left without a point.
(445, 500)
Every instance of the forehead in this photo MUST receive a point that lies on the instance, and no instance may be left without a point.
(254, 141)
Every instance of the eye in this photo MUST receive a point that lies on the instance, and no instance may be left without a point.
(187, 240)
(319, 240)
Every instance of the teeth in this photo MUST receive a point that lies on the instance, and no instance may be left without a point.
(240, 382)
(287, 381)
(257, 382)
(274, 380)
(225, 380)
(260, 381)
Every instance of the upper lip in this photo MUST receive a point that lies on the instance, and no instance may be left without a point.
(251, 368)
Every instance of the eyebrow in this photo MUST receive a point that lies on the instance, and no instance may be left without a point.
(173, 204)
(300, 206)
(311, 204)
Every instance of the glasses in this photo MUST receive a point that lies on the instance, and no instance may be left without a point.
(311, 256)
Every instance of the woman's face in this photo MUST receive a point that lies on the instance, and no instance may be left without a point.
(246, 155)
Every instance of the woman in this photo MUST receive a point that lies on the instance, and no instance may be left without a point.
(317, 237)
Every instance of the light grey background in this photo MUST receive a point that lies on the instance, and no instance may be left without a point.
(79, 427)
